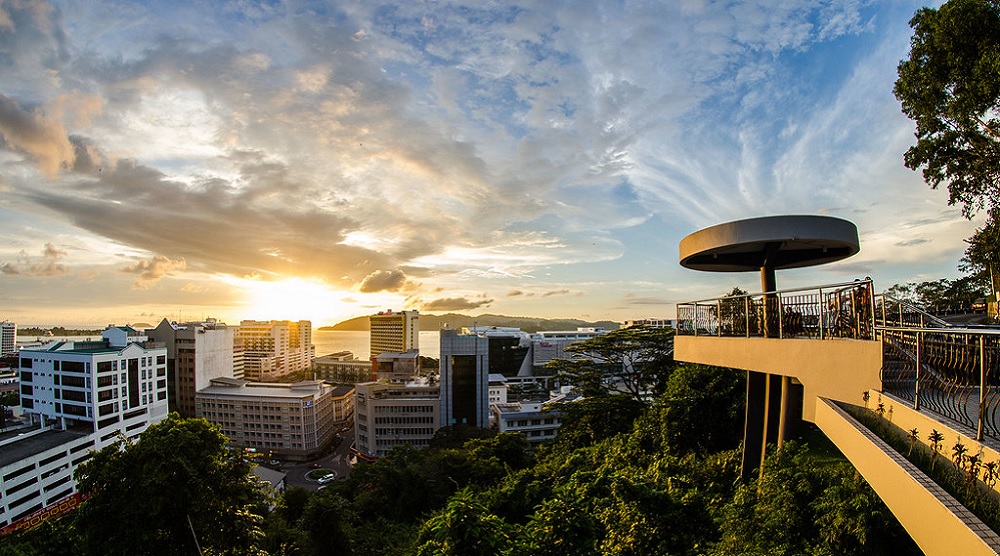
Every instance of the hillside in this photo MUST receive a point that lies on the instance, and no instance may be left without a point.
(455, 320)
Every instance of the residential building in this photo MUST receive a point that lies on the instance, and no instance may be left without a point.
(78, 396)
(538, 421)
(295, 421)
(197, 352)
(275, 348)
(387, 414)
(8, 338)
(497, 388)
(394, 331)
(342, 368)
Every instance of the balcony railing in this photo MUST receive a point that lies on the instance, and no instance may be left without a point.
(954, 372)
(831, 311)
(938, 367)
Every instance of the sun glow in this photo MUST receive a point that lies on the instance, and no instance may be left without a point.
(294, 299)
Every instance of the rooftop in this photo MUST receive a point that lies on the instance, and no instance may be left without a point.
(20, 444)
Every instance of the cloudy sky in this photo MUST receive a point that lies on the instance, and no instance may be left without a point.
(323, 160)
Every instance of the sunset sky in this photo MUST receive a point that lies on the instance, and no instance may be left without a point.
(324, 160)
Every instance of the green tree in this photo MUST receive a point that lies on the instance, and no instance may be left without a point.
(638, 360)
(179, 482)
(982, 256)
(702, 409)
(324, 521)
(465, 527)
(587, 421)
(950, 87)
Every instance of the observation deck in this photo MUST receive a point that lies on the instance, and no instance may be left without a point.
(831, 353)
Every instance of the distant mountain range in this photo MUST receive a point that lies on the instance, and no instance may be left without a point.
(456, 321)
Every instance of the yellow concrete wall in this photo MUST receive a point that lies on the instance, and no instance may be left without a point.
(919, 506)
(838, 369)
(904, 417)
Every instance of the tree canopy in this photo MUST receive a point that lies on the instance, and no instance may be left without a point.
(178, 483)
(950, 87)
(635, 360)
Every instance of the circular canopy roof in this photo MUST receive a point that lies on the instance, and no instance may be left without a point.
(773, 242)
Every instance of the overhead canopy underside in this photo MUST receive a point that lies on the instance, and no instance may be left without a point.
(773, 242)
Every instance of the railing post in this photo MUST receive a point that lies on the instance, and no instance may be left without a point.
(718, 314)
(781, 321)
(746, 315)
(822, 310)
(982, 387)
(916, 385)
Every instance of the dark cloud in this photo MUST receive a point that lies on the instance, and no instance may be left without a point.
(260, 222)
(149, 271)
(638, 300)
(33, 133)
(47, 265)
(912, 242)
(555, 292)
(383, 280)
(454, 304)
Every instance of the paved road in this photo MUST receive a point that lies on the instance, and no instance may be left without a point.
(339, 460)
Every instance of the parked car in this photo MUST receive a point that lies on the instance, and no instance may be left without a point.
(330, 477)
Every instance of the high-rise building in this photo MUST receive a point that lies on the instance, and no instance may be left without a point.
(464, 378)
(79, 396)
(275, 348)
(389, 414)
(8, 338)
(197, 352)
(394, 331)
(468, 358)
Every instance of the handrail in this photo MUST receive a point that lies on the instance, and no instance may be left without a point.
(953, 371)
(842, 310)
(911, 308)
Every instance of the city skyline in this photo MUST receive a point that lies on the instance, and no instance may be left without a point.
(322, 161)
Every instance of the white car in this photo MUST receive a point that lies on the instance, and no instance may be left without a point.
(329, 477)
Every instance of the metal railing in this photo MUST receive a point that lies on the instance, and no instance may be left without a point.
(954, 372)
(831, 311)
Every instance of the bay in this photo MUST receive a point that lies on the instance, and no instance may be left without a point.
(358, 342)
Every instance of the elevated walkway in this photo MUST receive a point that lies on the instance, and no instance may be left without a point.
(808, 350)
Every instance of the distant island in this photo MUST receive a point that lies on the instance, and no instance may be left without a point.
(456, 321)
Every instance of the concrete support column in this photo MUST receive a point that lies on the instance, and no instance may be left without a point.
(754, 426)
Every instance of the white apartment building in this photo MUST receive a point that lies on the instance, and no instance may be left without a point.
(295, 420)
(538, 421)
(8, 338)
(394, 332)
(275, 348)
(78, 396)
(197, 352)
(388, 414)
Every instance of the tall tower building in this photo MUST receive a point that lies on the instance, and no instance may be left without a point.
(464, 378)
(275, 348)
(396, 332)
(197, 352)
(8, 338)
